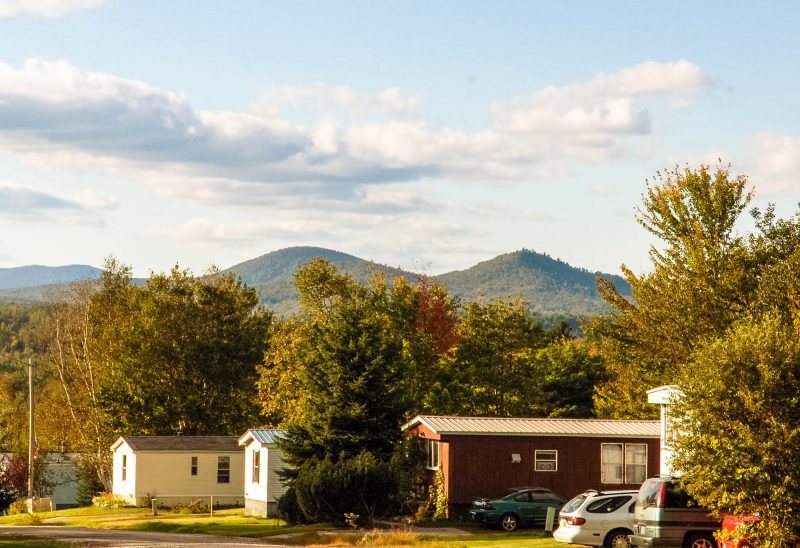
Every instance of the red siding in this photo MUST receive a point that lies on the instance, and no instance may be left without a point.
(480, 466)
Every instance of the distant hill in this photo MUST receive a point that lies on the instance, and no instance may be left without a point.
(554, 289)
(272, 275)
(35, 275)
(551, 286)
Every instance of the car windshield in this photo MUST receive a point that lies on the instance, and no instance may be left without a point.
(574, 504)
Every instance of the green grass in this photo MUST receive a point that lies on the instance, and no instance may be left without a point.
(233, 523)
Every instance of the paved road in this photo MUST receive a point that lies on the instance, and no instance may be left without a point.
(112, 538)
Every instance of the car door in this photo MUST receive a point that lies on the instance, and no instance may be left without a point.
(526, 509)
(541, 503)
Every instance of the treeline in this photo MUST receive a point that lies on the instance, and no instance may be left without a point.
(187, 355)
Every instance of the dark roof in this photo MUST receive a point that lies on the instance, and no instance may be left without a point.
(183, 443)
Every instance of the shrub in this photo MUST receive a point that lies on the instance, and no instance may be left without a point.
(288, 509)
(327, 490)
(109, 500)
(89, 484)
(7, 496)
(18, 507)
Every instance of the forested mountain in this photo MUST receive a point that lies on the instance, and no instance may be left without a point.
(35, 275)
(552, 287)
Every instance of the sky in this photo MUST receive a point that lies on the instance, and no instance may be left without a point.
(428, 135)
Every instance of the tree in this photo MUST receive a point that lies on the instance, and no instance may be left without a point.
(701, 281)
(565, 374)
(489, 372)
(184, 357)
(740, 424)
(349, 367)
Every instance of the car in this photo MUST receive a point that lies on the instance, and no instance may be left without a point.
(517, 507)
(597, 518)
(665, 515)
(733, 523)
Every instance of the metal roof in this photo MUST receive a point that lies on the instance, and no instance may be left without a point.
(523, 426)
(227, 444)
(264, 436)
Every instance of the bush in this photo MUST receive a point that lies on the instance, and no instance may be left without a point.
(325, 490)
(89, 484)
(109, 500)
(18, 507)
(7, 496)
(288, 509)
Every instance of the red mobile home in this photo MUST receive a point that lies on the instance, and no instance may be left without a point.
(483, 456)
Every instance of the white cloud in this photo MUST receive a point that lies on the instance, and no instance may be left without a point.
(604, 105)
(56, 115)
(24, 202)
(44, 8)
(322, 96)
(775, 162)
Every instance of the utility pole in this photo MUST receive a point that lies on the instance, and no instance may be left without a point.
(30, 430)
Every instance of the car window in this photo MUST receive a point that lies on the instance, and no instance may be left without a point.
(606, 505)
(574, 504)
(648, 494)
(676, 497)
(522, 497)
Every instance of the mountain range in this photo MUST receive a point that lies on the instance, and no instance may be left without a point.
(552, 287)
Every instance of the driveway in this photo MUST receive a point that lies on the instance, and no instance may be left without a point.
(113, 538)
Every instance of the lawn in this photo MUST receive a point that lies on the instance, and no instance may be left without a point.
(27, 542)
(233, 522)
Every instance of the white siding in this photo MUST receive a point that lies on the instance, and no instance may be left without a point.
(274, 486)
(166, 475)
(254, 491)
(124, 488)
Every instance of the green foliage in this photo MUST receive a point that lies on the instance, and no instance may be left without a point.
(326, 490)
(18, 507)
(185, 355)
(740, 421)
(701, 280)
(89, 484)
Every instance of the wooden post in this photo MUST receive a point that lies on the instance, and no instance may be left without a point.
(31, 436)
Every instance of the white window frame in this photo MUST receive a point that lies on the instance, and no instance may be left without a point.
(194, 466)
(625, 479)
(223, 471)
(537, 460)
(644, 476)
(124, 467)
(256, 465)
(433, 454)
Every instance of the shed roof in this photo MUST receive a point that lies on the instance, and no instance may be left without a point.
(264, 436)
(524, 426)
(180, 443)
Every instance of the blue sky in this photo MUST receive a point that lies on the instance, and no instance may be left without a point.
(428, 135)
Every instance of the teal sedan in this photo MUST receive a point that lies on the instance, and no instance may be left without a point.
(521, 507)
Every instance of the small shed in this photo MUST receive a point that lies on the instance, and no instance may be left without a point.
(262, 459)
(178, 469)
(483, 456)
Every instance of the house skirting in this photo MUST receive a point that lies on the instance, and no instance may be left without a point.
(185, 500)
(260, 508)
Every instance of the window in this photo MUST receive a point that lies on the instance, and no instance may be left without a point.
(194, 466)
(124, 467)
(256, 465)
(223, 469)
(432, 451)
(545, 461)
(623, 463)
(607, 505)
(635, 462)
